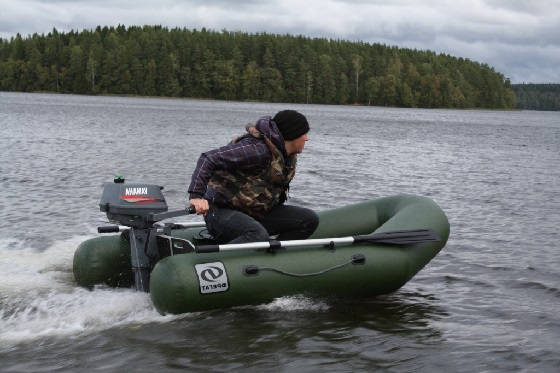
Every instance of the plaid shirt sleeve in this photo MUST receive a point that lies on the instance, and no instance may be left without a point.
(247, 154)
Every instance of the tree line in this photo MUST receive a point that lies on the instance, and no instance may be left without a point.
(158, 61)
(537, 96)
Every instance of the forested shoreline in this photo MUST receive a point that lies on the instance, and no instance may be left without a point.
(537, 96)
(158, 61)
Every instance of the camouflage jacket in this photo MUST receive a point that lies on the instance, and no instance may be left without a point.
(251, 174)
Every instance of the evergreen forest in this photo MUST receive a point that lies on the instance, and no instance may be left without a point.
(537, 96)
(158, 61)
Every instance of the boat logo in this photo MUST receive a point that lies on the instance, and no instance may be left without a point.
(211, 274)
(212, 277)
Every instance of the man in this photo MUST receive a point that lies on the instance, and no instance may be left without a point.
(241, 188)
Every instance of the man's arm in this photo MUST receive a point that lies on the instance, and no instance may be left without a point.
(246, 154)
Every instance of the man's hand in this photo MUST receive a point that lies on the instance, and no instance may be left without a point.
(200, 204)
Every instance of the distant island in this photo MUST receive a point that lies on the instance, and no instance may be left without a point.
(157, 61)
(537, 96)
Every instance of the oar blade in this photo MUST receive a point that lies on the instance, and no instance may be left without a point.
(408, 237)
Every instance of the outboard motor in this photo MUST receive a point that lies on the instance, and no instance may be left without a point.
(140, 207)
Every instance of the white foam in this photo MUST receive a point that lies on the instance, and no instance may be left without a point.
(24, 268)
(38, 297)
(295, 303)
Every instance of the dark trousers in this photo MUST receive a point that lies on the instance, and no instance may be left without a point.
(232, 226)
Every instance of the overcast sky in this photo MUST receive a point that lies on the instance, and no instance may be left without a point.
(519, 38)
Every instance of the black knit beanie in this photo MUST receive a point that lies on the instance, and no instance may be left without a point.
(291, 124)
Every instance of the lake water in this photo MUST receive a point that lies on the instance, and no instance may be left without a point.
(490, 301)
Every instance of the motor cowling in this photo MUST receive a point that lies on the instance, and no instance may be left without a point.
(132, 204)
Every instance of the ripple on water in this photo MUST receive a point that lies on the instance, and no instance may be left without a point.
(487, 302)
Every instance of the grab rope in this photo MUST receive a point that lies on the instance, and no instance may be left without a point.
(252, 270)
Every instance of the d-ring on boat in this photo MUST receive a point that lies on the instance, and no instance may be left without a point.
(361, 250)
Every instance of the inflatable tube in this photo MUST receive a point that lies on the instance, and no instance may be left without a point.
(196, 282)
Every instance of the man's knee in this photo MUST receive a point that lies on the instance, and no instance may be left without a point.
(255, 234)
(310, 221)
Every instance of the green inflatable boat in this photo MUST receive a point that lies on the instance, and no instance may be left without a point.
(360, 250)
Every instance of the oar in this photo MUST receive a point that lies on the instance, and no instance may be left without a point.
(407, 237)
